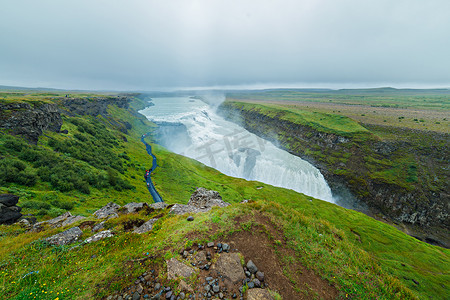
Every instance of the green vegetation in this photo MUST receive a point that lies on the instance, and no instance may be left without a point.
(381, 97)
(362, 257)
(330, 123)
(414, 109)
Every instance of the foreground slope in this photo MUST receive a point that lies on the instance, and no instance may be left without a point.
(358, 256)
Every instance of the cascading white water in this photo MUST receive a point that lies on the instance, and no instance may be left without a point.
(233, 150)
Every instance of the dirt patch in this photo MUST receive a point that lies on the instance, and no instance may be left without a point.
(255, 245)
(132, 224)
(257, 239)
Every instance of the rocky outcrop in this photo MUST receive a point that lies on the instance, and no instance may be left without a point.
(99, 236)
(9, 212)
(110, 210)
(201, 200)
(30, 120)
(425, 211)
(66, 237)
(134, 207)
(93, 106)
(146, 227)
(63, 220)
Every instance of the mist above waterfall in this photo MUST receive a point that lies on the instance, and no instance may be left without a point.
(190, 127)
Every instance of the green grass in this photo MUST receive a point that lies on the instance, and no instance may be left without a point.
(389, 98)
(331, 123)
(362, 257)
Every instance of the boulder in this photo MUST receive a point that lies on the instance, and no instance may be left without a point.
(203, 198)
(99, 236)
(66, 237)
(9, 215)
(60, 221)
(158, 205)
(9, 199)
(108, 210)
(9, 212)
(176, 269)
(181, 209)
(98, 226)
(258, 294)
(229, 266)
(72, 220)
(134, 207)
(146, 227)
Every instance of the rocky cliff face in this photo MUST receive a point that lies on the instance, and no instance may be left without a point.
(30, 120)
(422, 212)
(92, 107)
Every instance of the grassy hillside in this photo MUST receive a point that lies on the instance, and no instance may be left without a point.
(361, 257)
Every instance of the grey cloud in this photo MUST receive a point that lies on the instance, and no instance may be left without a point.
(153, 44)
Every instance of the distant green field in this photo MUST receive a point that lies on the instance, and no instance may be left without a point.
(415, 109)
(383, 97)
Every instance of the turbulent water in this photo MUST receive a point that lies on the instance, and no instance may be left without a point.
(192, 128)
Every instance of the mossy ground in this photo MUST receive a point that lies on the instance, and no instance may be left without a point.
(363, 258)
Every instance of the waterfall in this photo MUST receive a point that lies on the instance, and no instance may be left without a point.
(192, 128)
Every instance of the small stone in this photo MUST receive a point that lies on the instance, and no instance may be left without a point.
(216, 288)
(210, 244)
(256, 282)
(248, 274)
(221, 295)
(250, 285)
(136, 296)
(209, 278)
(139, 289)
(182, 295)
(156, 297)
(234, 296)
(219, 245)
(207, 288)
(157, 286)
(190, 218)
(252, 267)
(225, 247)
(168, 294)
(185, 254)
(260, 275)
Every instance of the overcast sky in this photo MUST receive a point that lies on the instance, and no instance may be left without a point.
(150, 45)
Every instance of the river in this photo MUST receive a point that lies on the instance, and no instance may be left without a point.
(191, 127)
